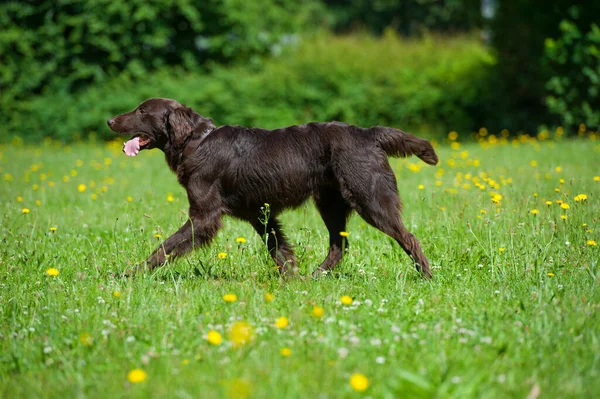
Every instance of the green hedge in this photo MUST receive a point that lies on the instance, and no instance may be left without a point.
(574, 88)
(51, 45)
(430, 86)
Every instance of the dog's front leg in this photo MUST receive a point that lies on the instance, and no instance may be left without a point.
(197, 231)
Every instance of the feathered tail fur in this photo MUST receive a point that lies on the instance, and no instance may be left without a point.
(397, 143)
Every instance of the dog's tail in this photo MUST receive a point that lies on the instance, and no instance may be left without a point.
(397, 143)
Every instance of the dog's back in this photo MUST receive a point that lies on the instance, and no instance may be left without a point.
(284, 167)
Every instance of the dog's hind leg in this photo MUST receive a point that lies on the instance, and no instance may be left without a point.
(374, 196)
(279, 249)
(335, 211)
(383, 212)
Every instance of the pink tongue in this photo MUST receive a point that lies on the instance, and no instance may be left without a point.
(132, 147)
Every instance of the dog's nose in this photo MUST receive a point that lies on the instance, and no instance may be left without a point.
(110, 122)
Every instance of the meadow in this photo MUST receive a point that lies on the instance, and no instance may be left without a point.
(510, 225)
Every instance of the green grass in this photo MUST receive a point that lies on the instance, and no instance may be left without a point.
(492, 323)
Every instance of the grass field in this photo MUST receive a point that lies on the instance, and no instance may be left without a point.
(512, 311)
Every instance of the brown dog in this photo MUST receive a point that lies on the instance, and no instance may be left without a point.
(235, 170)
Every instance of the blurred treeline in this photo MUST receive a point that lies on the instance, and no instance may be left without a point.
(429, 66)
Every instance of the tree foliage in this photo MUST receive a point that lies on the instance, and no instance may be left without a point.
(574, 88)
(519, 30)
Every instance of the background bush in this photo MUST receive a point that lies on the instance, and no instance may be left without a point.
(408, 17)
(574, 89)
(426, 85)
(57, 47)
(250, 62)
(519, 31)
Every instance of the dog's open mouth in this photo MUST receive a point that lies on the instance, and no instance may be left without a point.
(132, 147)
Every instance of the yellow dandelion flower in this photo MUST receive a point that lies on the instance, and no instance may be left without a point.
(25, 211)
(501, 249)
(239, 388)
(580, 197)
(534, 211)
(482, 211)
(548, 203)
(129, 198)
(414, 167)
(214, 337)
(452, 135)
(117, 294)
(240, 333)
(94, 197)
(558, 169)
(86, 339)
(564, 206)
(136, 376)
(222, 255)
(344, 233)
(563, 217)
(596, 178)
(591, 243)
(282, 322)
(346, 300)
(185, 362)
(240, 240)
(550, 274)
(359, 382)
(19, 199)
(52, 272)
(269, 297)
(81, 188)
(421, 187)
(285, 352)
(170, 197)
(318, 311)
(562, 181)
(52, 229)
(533, 163)
(230, 297)
(497, 198)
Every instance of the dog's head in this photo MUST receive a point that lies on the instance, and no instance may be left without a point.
(159, 123)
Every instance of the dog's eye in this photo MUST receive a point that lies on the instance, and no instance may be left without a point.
(141, 111)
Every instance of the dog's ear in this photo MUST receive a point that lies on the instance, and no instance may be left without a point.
(182, 122)
(179, 124)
